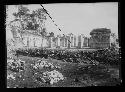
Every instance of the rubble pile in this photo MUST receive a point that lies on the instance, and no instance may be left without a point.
(54, 76)
(48, 77)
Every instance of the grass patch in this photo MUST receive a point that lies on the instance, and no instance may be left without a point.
(77, 75)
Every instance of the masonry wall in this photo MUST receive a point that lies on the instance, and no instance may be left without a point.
(100, 41)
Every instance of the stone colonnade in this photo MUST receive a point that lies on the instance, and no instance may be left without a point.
(32, 41)
(66, 41)
(70, 41)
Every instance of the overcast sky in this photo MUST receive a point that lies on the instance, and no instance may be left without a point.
(77, 18)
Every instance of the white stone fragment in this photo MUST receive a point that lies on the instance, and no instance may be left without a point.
(54, 76)
(10, 76)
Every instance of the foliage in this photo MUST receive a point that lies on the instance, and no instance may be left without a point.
(107, 56)
(21, 11)
(43, 32)
(15, 65)
(32, 21)
(75, 74)
(51, 34)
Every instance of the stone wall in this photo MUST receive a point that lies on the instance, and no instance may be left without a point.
(100, 38)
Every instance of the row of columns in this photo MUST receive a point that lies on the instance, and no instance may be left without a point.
(34, 41)
(70, 41)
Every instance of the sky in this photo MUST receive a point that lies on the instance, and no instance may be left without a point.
(77, 18)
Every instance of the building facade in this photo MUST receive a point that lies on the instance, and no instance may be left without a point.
(100, 38)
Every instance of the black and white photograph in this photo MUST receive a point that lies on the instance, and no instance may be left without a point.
(63, 45)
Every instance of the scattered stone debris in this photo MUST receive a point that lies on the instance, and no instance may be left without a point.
(11, 76)
(54, 76)
(48, 77)
(45, 64)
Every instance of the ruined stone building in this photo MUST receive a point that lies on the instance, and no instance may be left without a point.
(28, 31)
(68, 41)
(100, 38)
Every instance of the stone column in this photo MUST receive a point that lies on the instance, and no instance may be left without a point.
(69, 41)
(72, 41)
(58, 41)
(34, 41)
(81, 41)
(51, 42)
(84, 42)
(63, 41)
(27, 41)
(41, 42)
(66, 43)
(75, 41)
(87, 42)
